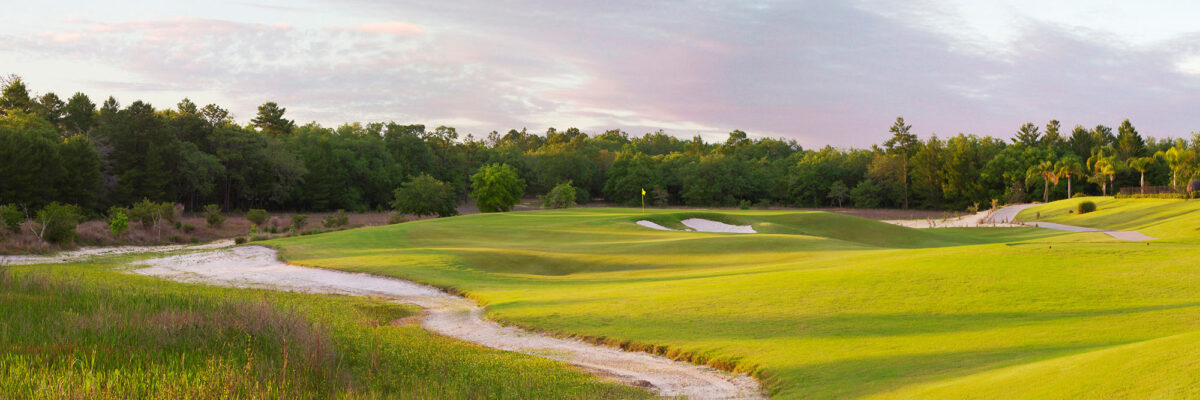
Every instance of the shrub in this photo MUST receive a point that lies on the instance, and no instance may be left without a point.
(173, 211)
(12, 217)
(193, 239)
(336, 219)
(257, 216)
(55, 223)
(178, 225)
(396, 218)
(149, 213)
(239, 240)
(744, 205)
(188, 228)
(118, 221)
(175, 238)
(298, 222)
(257, 238)
(562, 196)
(1079, 194)
(1086, 207)
(424, 195)
(764, 204)
(212, 215)
(496, 188)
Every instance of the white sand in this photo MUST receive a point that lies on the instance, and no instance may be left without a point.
(982, 218)
(652, 225)
(1005, 216)
(457, 317)
(702, 225)
(84, 253)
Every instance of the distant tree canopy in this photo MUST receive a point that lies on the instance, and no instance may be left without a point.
(74, 151)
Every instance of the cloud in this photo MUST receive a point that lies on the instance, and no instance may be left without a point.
(389, 28)
(820, 72)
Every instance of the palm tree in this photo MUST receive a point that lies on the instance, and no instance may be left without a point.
(1141, 164)
(1108, 167)
(1102, 166)
(1178, 159)
(1044, 170)
(1066, 167)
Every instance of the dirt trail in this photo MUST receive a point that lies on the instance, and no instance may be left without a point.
(457, 317)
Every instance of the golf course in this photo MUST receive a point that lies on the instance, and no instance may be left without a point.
(811, 305)
(821, 305)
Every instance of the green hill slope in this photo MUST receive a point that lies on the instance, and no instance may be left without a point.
(818, 305)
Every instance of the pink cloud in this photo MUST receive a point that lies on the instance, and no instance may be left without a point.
(390, 28)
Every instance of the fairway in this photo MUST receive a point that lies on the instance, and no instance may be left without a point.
(820, 305)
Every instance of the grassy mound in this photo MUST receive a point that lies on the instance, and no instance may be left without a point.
(1161, 218)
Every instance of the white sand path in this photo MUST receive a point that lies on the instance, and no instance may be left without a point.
(1005, 216)
(453, 316)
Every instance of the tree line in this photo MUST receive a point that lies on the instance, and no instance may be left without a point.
(101, 155)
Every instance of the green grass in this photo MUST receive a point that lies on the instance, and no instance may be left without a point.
(1161, 218)
(819, 305)
(87, 330)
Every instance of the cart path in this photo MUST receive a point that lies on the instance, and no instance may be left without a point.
(1007, 214)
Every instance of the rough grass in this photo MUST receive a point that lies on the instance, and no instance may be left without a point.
(820, 306)
(85, 331)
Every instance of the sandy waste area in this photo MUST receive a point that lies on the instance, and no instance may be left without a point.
(453, 316)
(1005, 216)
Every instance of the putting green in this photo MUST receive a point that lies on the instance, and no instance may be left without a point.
(820, 305)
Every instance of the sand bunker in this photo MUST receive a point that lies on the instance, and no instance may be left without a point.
(457, 317)
(702, 225)
(652, 225)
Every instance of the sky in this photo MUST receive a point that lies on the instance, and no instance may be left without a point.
(820, 72)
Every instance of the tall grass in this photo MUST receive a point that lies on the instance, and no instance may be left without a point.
(84, 331)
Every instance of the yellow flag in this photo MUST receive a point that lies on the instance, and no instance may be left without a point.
(643, 191)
